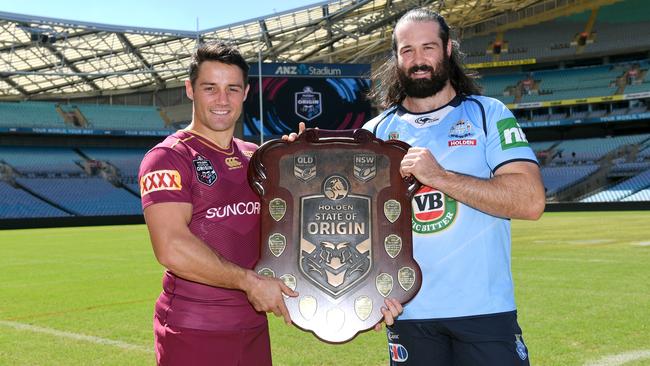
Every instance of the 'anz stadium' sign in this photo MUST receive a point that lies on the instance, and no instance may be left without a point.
(304, 70)
(311, 70)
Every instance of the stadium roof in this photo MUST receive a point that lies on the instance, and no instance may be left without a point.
(46, 57)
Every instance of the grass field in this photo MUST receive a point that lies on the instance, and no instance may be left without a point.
(84, 296)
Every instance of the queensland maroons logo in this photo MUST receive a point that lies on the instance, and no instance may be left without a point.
(433, 211)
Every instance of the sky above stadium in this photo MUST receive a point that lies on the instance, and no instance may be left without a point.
(165, 14)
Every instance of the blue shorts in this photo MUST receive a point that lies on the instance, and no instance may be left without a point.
(487, 340)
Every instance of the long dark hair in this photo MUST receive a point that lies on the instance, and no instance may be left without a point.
(387, 89)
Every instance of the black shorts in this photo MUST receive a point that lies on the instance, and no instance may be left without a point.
(487, 340)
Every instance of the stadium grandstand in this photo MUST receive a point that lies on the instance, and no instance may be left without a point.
(81, 103)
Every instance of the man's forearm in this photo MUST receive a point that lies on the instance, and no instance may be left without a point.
(511, 195)
(188, 257)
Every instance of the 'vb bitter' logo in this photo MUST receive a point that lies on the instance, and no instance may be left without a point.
(432, 211)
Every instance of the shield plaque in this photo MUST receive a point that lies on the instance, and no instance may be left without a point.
(336, 227)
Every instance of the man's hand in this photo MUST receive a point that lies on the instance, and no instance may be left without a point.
(420, 163)
(515, 190)
(392, 309)
(265, 294)
(293, 136)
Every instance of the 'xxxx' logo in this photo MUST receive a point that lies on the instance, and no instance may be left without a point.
(160, 180)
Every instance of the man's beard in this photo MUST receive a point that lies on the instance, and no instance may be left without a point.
(425, 87)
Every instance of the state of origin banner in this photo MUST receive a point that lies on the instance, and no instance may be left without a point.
(327, 96)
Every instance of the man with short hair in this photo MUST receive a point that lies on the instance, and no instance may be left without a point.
(477, 172)
(203, 220)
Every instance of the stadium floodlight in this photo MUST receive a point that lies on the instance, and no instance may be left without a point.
(43, 34)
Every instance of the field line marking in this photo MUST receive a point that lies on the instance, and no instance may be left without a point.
(621, 358)
(75, 336)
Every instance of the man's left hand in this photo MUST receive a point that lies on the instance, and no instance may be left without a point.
(392, 309)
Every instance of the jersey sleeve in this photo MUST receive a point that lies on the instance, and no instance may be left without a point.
(506, 141)
(164, 177)
(373, 124)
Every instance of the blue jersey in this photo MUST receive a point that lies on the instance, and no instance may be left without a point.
(464, 253)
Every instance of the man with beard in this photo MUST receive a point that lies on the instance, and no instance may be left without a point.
(477, 172)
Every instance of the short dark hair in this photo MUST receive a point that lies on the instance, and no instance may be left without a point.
(388, 91)
(217, 51)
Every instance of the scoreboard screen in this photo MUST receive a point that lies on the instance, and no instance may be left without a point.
(329, 97)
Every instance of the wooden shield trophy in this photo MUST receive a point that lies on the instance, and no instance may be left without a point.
(336, 227)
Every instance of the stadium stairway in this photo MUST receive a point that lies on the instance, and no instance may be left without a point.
(601, 180)
(41, 197)
(597, 180)
(588, 184)
(24, 202)
(71, 115)
(621, 189)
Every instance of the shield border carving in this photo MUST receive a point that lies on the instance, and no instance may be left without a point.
(271, 174)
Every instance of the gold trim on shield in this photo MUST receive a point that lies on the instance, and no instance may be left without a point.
(277, 244)
(393, 245)
(277, 208)
(335, 319)
(384, 284)
(392, 210)
(308, 306)
(268, 272)
(406, 277)
(290, 281)
(363, 307)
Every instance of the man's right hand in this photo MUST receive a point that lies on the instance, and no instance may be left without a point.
(265, 294)
(293, 136)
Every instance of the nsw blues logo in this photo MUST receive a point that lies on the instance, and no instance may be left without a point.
(205, 172)
(365, 167)
(309, 104)
(460, 133)
(461, 129)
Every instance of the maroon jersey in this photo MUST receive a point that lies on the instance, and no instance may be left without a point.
(187, 167)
